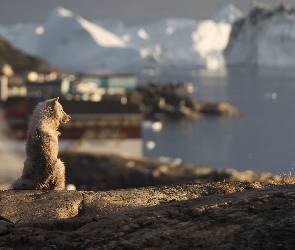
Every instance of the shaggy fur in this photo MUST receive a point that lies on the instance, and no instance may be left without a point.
(42, 168)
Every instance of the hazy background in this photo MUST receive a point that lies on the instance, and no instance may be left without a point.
(132, 12)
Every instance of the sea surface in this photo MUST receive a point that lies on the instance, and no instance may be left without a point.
(262, 139)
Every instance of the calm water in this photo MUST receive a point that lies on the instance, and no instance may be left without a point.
(262, 139)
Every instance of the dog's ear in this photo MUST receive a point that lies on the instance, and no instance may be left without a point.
(53, 102)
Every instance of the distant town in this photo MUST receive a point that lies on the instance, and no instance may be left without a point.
(106, 109)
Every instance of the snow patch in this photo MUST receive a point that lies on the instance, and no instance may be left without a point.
(228, 14)
(39, 30)
(142, 34)
(64, 12)
(100, 35)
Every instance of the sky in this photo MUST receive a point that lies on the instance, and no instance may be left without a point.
(131, 12)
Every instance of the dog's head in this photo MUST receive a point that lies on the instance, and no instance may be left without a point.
(58, 111)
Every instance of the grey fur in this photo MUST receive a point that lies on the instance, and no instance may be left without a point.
(42, 168)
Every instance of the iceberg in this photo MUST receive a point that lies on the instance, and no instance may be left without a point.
(228, 14)
(78, 45)
(265, 37)
(178, 42)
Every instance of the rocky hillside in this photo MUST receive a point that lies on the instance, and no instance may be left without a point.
(222, 215)
(21, 62)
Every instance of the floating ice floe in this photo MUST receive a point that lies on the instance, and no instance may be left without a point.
(157, 126)
(270, 95)
(150, 145)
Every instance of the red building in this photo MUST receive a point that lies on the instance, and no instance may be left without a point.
(109, 126)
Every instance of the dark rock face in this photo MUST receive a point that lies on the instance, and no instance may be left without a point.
(21, 62)
(259, 14)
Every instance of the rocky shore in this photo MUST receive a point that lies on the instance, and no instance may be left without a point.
(108, 172)
(173, 101)
(222, 215)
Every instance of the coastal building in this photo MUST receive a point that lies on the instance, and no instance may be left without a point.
(81, 87)
(110, 82)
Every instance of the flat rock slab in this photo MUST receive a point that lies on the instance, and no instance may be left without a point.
(254, 219)
(32, 205)
(35, 205)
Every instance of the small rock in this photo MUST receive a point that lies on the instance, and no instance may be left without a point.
(125, 228)
(3, 230)
(36, 239)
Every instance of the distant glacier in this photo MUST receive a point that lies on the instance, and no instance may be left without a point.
(264, 37)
